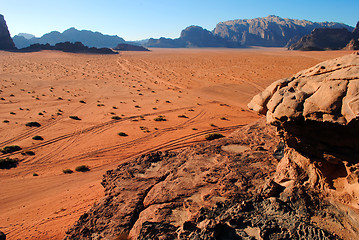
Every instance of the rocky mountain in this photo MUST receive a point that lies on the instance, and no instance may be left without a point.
(76, 47)
(88, 38)
(6, 42)
(192, 37)
(323, 39)
(271, 31)
(129, 47)
(328, 39)
(297, 178)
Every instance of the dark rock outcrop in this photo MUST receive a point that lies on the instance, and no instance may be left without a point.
(271, 31)
(88, 38)
(2, 236)
(323, 39)
(6, 42)
(76, 47)
(129, 47)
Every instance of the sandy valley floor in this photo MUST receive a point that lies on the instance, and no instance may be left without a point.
(197, 91)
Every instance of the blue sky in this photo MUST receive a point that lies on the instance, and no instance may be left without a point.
(134, 20)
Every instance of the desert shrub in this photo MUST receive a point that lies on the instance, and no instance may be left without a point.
(6, 121)
(67, 171)
(33, 124)
(75, 117)
(82, 168)
(223, 118)
(122, 134)
(37, 138)
(10, 149)
(194, 129)
(116, 118)
(35, 174)
(160, 118)
(212, 125)
(30, 153)
(12, 113)
(82, 101)
(7, 163)
(212, 136)
(182, 116)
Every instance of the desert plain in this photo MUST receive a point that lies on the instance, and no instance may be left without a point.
(196, 92)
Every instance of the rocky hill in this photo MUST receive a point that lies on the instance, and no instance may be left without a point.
(129, 47)
(328, 39)
(192, 37)
(271, 31)
(76, 47)
(88, 38)
(323, 39)
(296, 179)
(6, 43)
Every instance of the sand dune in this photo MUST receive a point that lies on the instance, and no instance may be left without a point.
(196, 90)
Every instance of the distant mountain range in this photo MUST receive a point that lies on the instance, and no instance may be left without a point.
(88, 38)
(270, 31)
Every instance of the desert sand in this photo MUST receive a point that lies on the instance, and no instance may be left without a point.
(197, 91)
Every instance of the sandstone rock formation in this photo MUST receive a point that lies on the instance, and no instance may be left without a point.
(193, 36)
(316, 113)
(6, 42)
(323, 39)
(270, 31)
(352, 45)
(254, 184)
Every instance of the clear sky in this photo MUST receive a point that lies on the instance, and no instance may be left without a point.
(141, 19)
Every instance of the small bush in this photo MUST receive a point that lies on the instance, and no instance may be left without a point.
(116, 118)
(67, 171)
(37, 138)
(82, 168)
(122, 134)
(7, 163)
(182, 116)
(6, 121)
(33, 124)
(10, 149)
(29, 153)
(12, 113)
(75, 117)
(213, 136)
(212, 125)
(35, 174)
(82, 101)
(160, 118)
(223, 118)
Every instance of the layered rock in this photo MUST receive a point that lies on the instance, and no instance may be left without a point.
(316, 113)
(323, 39)
(352, 45)
(6, 42)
